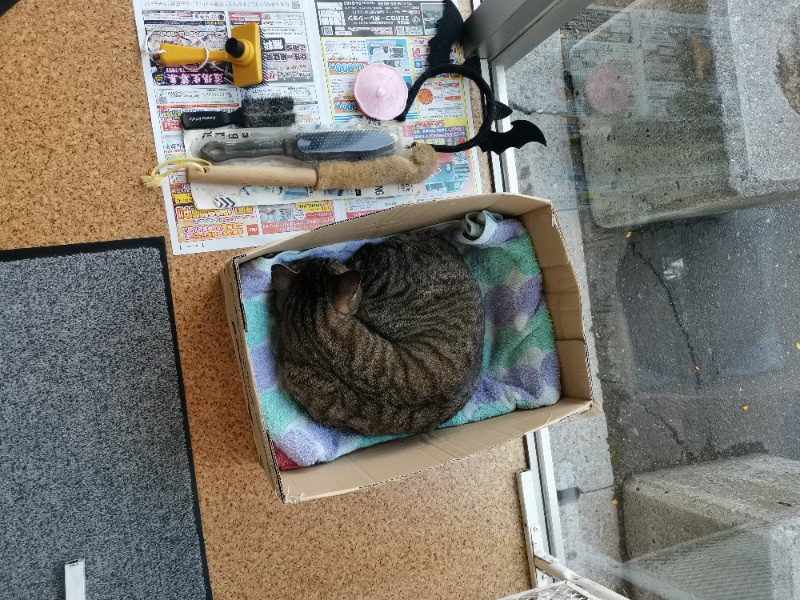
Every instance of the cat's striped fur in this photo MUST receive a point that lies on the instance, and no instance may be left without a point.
(389, 343)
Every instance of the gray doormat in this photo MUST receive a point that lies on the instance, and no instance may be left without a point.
(95, 456)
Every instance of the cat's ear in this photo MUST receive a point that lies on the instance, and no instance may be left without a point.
(346, 291)
(282, 280)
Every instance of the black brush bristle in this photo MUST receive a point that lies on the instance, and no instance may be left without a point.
(268, 112)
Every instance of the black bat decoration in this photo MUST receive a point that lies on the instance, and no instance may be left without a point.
(521, 133)
(501, 111)
(449, 31)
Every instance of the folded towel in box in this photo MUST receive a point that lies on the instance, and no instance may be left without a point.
(520, 366)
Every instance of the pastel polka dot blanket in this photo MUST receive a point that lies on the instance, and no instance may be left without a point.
(520, 366)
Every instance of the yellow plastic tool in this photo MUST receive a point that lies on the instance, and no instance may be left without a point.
(242, 50)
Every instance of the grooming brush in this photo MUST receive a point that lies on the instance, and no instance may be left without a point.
(311, 146)
(258, 112)
(414, 167)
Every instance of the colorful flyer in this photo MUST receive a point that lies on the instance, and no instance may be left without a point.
(311, 52)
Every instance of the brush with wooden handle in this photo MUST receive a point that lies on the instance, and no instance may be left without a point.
(413, 167)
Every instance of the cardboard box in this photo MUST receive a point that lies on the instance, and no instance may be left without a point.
(401, 458)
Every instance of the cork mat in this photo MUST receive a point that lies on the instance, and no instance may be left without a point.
(76, 136)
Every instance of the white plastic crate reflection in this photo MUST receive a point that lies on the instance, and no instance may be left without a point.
(562, 590)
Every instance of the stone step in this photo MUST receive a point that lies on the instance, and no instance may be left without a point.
(710, 530)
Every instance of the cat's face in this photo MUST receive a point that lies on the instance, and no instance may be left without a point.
(309, 283)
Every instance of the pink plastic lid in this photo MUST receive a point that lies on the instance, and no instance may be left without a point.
(381, 92)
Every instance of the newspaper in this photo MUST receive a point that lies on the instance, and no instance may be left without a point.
(312, 52)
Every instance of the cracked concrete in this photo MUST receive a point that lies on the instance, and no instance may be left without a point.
(673, 431)
(659, 277)
(730, 312)
(693, 321)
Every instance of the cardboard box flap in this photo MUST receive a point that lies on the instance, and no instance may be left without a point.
(558, 278)
(404, 457)
(232, 286)
(574, 360)
(402, 218)
(548, 241)
(567, 316)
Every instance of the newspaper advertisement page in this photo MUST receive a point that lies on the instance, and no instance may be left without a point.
(294, 65)
(360, 207)
(355, 34)
(289, 70)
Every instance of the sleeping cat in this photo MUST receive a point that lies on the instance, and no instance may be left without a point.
(389, 343)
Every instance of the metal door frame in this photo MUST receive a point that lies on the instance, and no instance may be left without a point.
(503, 31)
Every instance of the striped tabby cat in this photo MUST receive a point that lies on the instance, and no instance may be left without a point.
(389, 343)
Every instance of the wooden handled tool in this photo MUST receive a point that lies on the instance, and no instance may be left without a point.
(282, 176)
(414, 167)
